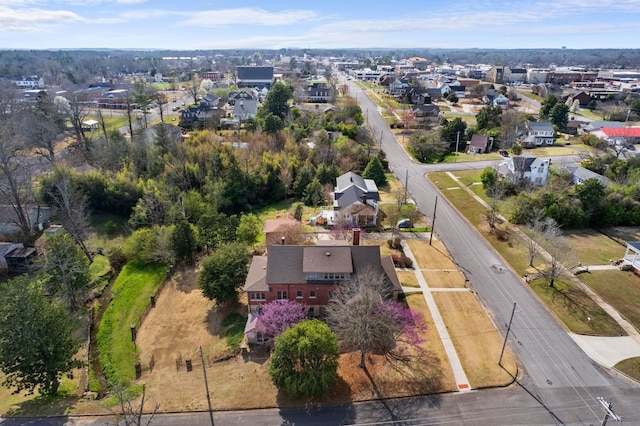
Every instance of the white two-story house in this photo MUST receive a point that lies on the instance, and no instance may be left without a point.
(538, 133)
(519, 170)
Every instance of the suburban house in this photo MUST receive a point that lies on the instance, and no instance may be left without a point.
(398, 87)
(255, 77)
(520, 170)
(245, 104)
(539, 133)
(308, 274)
(317, 92)
(426, 114)
(356, 200)
(37, 217)
(493, 98)
(210, 101)
(200, 114)
(591, 126)
(583, 98)
(580, 174)
(480, 144)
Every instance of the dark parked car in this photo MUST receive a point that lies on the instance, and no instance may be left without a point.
(404, 224)
(504, 153)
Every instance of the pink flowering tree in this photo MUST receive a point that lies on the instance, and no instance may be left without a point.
(365, 319)
(278, 316)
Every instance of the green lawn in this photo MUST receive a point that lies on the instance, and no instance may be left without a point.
(592, 115)
(99, 267)
(630, 367)
(620, 289)
(530, 95)
(130, 296)
(593, 248)
(464, 157)
(112, 122)
(575, 309)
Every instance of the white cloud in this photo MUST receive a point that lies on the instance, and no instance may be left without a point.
(31, 19)
(249, 16)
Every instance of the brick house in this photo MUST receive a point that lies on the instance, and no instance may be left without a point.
(308, 274)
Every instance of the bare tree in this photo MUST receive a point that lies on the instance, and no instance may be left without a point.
(75, 111)
(558, 249)
(535, 231)
(496, 193)
(509, 128)
(130, 414)
(15, 178)
(40, 126)
(364, 318)
(161, 100)
(193, 88)
(9, 96)
(72, 205)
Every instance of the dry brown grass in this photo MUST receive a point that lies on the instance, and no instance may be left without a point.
(443, 279)
(433, 256)
(475, 338)
(408, 278)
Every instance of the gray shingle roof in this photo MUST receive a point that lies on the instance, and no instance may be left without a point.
(255, 73)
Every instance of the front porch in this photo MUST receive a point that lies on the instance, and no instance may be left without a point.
(632, 254)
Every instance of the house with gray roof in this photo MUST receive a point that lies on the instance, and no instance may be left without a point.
(580, 174)
(308, 274)
(539, 133)
(519, 170)
(356, 200)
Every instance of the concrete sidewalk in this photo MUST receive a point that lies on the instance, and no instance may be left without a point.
(608, 351)
(462, 383)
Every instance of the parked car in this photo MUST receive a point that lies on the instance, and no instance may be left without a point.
(404, 224)
(504, 153)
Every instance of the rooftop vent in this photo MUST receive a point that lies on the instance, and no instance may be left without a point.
(328, 253)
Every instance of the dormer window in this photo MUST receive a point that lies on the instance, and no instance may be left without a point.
(328, 276)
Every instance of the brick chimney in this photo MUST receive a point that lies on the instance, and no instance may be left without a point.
(356, 236)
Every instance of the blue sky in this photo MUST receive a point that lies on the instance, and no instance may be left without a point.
(274, 24)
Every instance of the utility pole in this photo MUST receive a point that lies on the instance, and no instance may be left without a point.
(455, 159)
(433, 222)
(506, 336)
(206, 385)
(608, 411)
(406, 184)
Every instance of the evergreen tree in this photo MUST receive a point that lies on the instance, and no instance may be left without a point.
(375, 171)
